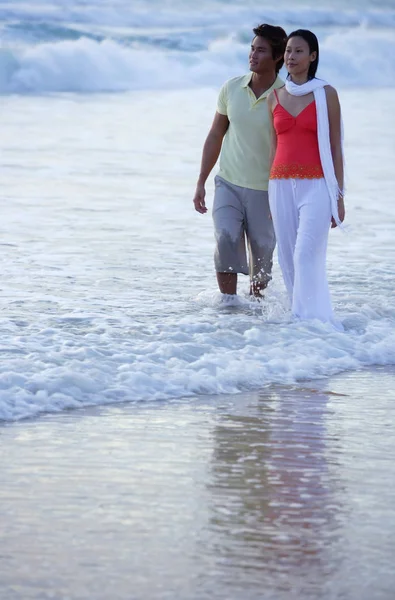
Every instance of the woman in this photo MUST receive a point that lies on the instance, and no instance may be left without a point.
(306, 178)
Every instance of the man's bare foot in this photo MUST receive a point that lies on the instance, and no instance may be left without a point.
(256, 290)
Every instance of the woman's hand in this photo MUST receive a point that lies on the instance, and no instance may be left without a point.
(341, 210)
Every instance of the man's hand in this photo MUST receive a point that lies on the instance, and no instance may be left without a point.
(198, 199)
(341, 210)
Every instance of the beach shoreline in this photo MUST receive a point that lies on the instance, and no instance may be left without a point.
(195, 498)
(156, 444)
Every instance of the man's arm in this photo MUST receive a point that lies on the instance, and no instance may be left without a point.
(211, 151)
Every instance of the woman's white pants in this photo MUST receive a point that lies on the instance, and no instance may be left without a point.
(301, 213)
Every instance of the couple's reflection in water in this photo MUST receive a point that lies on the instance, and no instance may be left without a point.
(274, 521)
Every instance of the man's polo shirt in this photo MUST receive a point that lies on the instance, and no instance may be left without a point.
(245, 150)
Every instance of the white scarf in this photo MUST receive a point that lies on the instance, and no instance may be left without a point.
(317, 87)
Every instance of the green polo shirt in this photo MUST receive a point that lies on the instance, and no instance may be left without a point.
(245, 150)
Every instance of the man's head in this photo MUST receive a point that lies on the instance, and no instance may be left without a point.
(267, 49)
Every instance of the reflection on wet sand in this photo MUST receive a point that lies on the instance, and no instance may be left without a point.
(286, 494)
(273, 511)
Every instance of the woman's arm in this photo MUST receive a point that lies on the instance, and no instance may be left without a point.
(271, 102)
(334, 116)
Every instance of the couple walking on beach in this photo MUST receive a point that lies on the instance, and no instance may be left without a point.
(281, 171)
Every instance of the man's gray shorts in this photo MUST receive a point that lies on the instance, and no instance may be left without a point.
(241, 213)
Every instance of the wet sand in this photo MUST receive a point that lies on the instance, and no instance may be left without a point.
(285, 493)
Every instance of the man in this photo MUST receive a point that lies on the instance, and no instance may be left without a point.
(241, 132)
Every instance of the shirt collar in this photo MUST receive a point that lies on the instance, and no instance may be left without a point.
(246, 80)
(277, 84)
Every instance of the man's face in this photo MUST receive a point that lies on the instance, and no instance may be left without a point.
(260, 58)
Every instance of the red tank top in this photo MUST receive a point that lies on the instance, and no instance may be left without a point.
(297, 154)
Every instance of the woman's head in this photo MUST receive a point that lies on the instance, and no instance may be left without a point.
(302, 53)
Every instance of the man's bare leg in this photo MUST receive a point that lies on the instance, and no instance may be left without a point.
(227, 283)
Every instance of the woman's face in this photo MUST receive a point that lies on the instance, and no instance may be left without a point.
(297, 56)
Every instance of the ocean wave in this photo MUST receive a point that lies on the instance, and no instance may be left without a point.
(192, 357)
(88, 65)
(181, 14)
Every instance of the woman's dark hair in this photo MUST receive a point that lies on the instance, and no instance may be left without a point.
(277, 39)
(312, 41)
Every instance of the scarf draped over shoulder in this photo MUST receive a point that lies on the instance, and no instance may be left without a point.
(317, 87)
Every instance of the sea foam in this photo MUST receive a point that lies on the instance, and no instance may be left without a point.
(98, 49)
(59, 368)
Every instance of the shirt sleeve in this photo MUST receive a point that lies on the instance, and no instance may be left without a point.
(222, 104)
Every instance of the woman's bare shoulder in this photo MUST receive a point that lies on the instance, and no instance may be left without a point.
(272, 97)
(330, 92)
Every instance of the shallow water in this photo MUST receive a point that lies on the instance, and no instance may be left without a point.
(222, 450)
(284, 493)
(108, 291)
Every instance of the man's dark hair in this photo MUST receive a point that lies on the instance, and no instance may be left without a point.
(277, 39)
